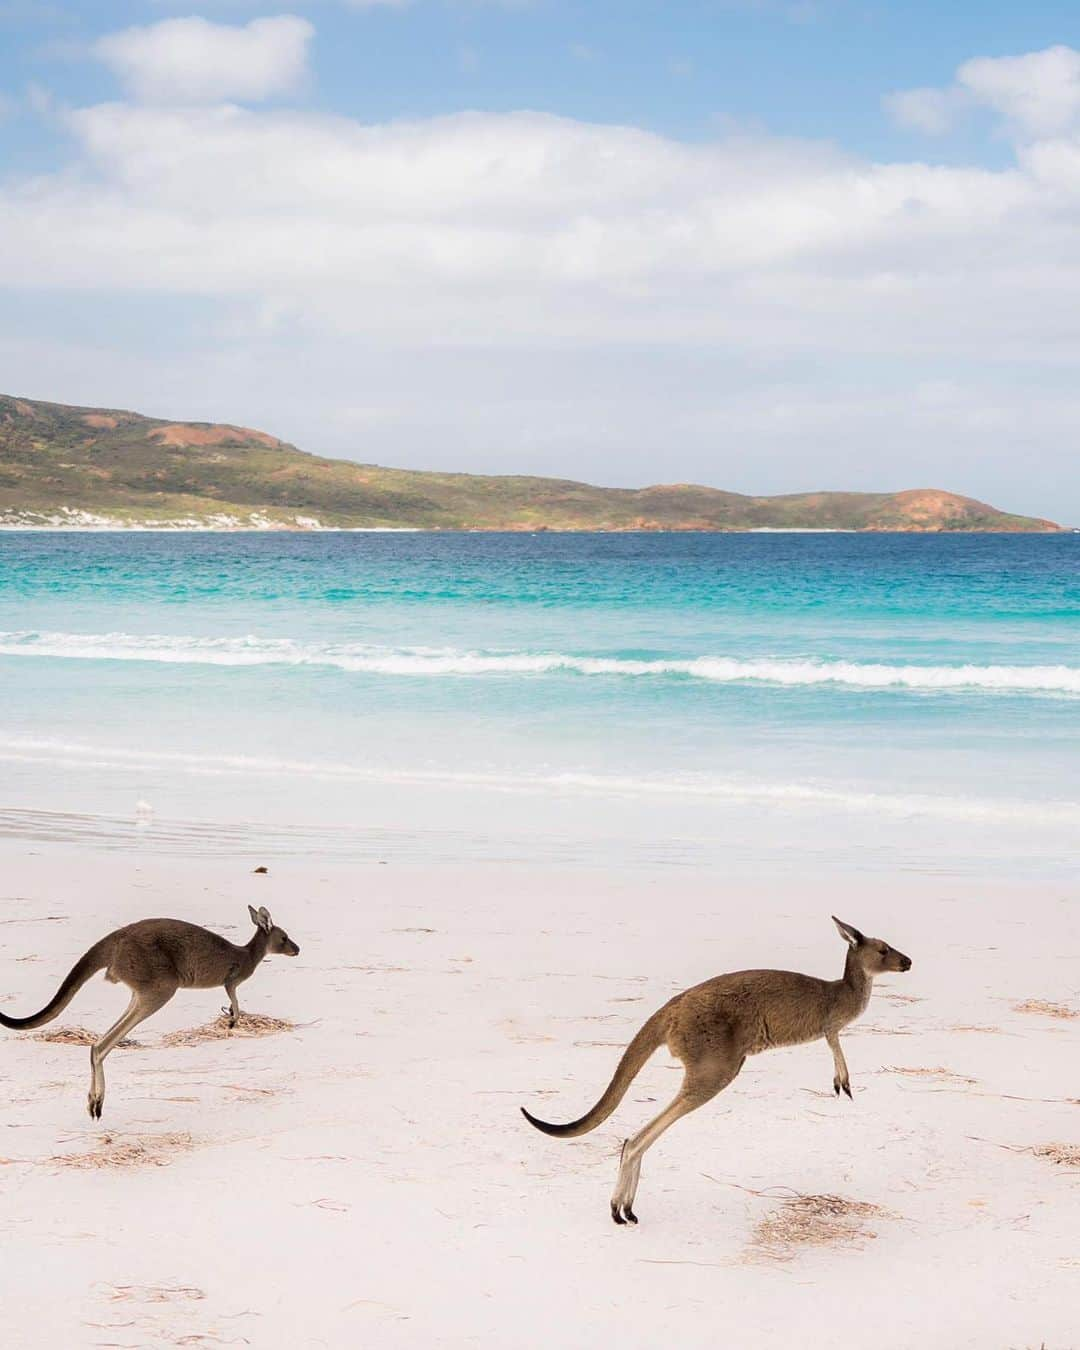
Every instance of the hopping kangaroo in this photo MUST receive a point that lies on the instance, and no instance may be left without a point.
(714, 1026)
(155, 958)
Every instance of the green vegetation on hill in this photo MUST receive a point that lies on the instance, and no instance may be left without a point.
(85, 465)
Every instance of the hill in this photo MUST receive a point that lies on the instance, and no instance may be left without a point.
(72, 466)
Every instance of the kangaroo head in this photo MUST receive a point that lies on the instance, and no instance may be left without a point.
(873, 954)
(279, 942)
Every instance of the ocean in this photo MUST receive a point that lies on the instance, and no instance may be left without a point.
(801, 702)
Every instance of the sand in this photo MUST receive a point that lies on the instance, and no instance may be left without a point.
(357, 1173)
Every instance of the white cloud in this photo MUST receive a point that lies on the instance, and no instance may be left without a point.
(1038, 94)
(194, 61)
(290, 202)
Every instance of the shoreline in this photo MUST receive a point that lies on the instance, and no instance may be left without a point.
(518, 530)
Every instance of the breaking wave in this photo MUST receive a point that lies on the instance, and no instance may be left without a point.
(425, 662)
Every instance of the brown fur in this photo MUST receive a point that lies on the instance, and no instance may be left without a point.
(155, 958)
(714, 1026)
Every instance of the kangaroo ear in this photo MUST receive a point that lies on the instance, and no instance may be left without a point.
(263, 919)
(254, 916)
(851, 936)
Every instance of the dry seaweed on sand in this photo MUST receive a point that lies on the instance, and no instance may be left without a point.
(1064, 1155)
(250, 1024)
(153, 1293)
(812, 1221)
(1042, 1008)
(136, 1150)
(939, 1074)
(81, 1036)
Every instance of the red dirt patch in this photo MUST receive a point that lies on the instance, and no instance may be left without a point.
(931, 504)
(100, 420)
(183, 433)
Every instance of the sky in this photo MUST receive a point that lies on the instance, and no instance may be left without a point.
(768, 245)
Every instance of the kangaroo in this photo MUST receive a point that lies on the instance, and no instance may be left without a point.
(155, 958)
(714, 1026)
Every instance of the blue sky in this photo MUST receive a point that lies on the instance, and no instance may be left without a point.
(768, 245)
(814, 69)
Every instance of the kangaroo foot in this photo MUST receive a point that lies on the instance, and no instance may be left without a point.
(94, 1105)
(845, 1084)
(232, 1019)
(622, 1213)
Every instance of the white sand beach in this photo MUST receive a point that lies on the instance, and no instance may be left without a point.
(363, 1177)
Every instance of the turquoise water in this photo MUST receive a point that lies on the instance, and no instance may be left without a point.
(863, 700)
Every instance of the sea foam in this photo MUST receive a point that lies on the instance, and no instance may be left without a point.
(434, 662)
(717, 788)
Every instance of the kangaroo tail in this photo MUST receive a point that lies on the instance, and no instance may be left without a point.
(94, 960)
(649, 1038)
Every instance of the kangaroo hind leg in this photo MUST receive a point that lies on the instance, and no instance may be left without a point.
(701, 1083)
(144, 1002)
